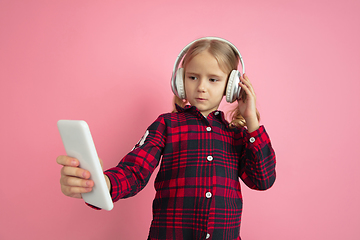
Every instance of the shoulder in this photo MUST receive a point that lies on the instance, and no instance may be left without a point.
(165, 118)
(172, 117)
(176, 119)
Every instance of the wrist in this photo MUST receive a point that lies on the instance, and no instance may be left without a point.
(107, 182)
(252, 124)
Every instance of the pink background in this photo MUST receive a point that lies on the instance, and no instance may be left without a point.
(110, 62)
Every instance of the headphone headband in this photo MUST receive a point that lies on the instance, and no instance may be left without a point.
(186, 48)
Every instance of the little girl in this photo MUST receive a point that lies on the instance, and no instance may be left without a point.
(201, 155)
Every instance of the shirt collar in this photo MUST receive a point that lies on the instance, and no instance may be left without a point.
(193, 110)
(187, 108)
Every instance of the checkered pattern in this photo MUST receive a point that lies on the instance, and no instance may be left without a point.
(197, 188)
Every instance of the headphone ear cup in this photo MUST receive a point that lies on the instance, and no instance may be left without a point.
(179, 83)
(233, 88)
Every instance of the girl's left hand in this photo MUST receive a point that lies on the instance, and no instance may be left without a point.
(247, 104)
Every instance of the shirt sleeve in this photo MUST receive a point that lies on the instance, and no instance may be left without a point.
(134, 170)
(257, 163)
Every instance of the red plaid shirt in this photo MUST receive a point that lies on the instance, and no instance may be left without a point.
(198, 192)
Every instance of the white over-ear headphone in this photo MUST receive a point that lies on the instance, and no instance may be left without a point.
(232, 88)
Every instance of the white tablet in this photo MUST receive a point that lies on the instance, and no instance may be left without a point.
(78, 143)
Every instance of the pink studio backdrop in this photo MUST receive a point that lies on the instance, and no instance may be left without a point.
(110, 62)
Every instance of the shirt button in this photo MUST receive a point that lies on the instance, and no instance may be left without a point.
(208, 129)
(208, 236)
(216, 113)
(209, 158)
(208, 195)
(252, 139)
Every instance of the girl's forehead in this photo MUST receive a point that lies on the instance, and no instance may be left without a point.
(204, 60)
(204, 63)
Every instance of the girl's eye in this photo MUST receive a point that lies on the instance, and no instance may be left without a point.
(213, 80)
(192, 77)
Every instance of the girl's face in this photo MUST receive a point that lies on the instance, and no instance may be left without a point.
(204, 83)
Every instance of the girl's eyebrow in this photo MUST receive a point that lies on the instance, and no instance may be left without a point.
(211, 75)
(215, 76)
(191, 73)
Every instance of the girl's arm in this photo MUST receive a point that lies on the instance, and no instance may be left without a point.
(133, 172)
(257, 162)
(257, 168)
(247, 104)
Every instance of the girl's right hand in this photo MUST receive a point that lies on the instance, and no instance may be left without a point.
(74, 180)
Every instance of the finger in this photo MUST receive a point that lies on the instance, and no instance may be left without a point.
(245, 81)
(75, 172)
(74, 191)
(76, 182)
(67, 161)
(247, 94)
(101, 163)
(245, 88)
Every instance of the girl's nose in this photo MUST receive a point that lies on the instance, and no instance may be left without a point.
(201, 86)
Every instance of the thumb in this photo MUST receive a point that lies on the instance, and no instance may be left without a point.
(101, 163)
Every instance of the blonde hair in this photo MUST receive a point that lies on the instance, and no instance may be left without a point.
(227, 59)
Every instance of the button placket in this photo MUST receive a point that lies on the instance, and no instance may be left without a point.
(209, 158)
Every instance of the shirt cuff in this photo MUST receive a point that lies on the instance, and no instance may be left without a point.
(257, 137)
(113, 183)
